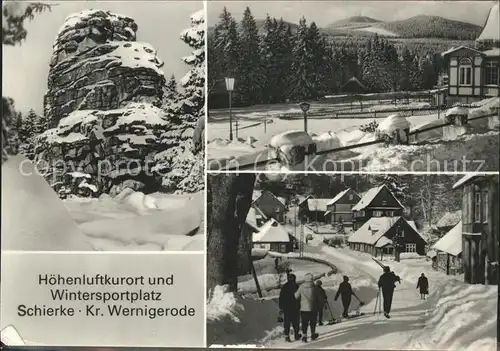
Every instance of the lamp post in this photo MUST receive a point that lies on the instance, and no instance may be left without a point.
(230, 88)
(304, 106)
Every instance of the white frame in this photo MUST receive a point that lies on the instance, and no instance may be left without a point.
(411, 245)
(465, 67)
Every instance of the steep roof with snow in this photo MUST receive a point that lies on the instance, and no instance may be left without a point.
(373, 230)
(451, 243)
(338, 197)
(491, 30)
(271, 232)
(449, 219)
(251, 219)
(369, 196)
(317, 204)
(468, 177)
(279, 199)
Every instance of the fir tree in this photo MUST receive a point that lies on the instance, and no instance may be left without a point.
(249, 77)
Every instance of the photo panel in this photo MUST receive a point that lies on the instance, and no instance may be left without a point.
(105, 150)
(103, 174)
(361, 261)
(353, 86)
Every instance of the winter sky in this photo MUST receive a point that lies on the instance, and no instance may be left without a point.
(160, 23)
(326, 12)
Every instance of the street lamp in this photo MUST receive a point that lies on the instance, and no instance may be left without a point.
(230, 88)
(304, 106)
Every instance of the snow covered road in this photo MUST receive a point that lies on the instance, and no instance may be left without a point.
(369, 331)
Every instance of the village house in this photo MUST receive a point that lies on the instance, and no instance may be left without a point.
(377, 234)
(271, 206)
(473, 73)
(448, 251)
(313, 210)
(272, 236)
(376, 202)
(339, 209)
(480, 208)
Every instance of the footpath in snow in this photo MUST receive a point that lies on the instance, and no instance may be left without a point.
(456, 316)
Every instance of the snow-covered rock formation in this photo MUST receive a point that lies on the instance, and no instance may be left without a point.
(107, 118)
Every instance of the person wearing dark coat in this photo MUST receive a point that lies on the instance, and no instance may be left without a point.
(290, 307)
(387, 283)
(322, 301)
(345, 292)
(423, 285)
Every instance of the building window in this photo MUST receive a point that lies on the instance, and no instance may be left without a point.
(465, 72)
(402, 233)
(282, 247)
(390, 213)
(377, 213)
(360, 214)
(351, 196)
(411, 247)
(491, 73)
(485, 207)
(477, 206)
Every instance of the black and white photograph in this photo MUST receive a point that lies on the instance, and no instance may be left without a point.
(353, 261)
(338, 86)
(103, 125)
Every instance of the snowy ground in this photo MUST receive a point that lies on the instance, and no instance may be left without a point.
(141, 222)
(436, 150)
(455, 316)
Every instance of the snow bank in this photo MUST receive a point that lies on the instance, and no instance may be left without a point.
(233, 320)
(137, 221)
(464, 318)
(392, 123)
(327, 141)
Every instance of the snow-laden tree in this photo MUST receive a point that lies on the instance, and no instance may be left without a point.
(181, 167)
(14, 15)
(194, 81)
(30, 129)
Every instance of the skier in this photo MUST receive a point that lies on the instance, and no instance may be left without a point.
(290, 307)
(423, 284)
(308, 296)
(387, 283)
(345, 290)
(322, 301)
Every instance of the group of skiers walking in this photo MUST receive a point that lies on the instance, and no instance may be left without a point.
(304, 305)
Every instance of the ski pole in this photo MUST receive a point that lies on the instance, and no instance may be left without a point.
(376, 301)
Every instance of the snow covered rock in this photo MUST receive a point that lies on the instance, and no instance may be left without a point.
(394, 128)
(291, 147)
(97, 64)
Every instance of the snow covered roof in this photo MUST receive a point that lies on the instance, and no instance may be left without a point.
(256, 194)
(317, 204)
(271, 232)
(338, 196)
(251, 219)
(492, 53)
(373, 230)
(491, 30)
(447, 52)
(280, 199)
(465, 179)
(302, 199)
(413, 225)
(369, 196)
(449, 219)
(451, 243)
(383, 241)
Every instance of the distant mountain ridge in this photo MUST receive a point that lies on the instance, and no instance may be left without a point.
(420, 26)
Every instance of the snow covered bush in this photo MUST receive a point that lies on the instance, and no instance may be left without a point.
(369, 128)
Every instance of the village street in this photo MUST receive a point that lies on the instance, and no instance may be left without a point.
(408, 311)
(409, 315)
